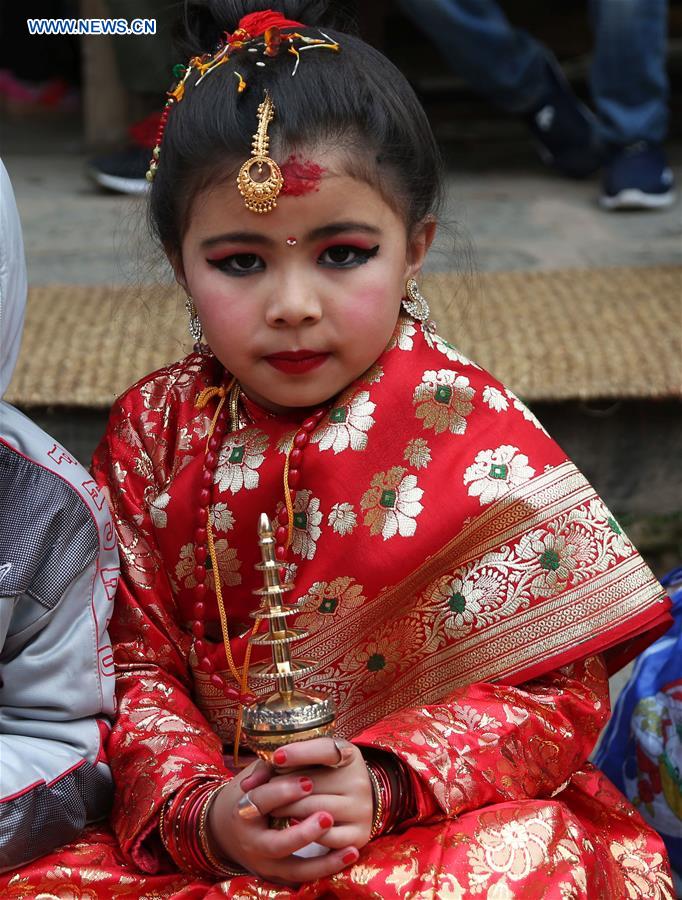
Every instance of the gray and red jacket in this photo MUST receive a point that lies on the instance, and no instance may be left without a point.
(58, 573)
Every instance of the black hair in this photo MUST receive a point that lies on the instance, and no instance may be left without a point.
(355, 100)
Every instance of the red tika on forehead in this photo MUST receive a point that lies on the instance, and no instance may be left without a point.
(301, 177)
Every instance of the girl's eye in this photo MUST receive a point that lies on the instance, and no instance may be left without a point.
(342, 256)
(238, 264)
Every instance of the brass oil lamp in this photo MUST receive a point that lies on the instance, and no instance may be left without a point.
(288, 714)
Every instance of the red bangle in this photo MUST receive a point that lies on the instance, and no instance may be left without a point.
(182, 824)
(218, 866)
(393, 786)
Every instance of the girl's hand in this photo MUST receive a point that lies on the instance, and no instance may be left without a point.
(265, 851)
(340, 786)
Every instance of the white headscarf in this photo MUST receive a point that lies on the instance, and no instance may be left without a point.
(13, 285)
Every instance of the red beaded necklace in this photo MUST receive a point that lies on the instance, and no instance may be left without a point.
(227, 416)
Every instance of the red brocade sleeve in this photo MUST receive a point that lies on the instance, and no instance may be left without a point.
(490, 743)
(160, 740)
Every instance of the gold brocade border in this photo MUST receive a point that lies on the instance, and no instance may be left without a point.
(503, 650)
(545, 629)
(546, 496)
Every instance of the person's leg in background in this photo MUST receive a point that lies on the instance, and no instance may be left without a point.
(145, 67)
(630, 94)
(515, 72)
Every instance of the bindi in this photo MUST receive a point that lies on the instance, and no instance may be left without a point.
(301, 176)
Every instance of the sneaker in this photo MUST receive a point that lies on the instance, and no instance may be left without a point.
(638, 177)
(564, 130)
(124, 172)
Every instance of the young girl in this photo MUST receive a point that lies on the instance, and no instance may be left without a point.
(464, 592)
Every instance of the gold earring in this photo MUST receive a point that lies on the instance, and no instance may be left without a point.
(415, 303)
(194, 321)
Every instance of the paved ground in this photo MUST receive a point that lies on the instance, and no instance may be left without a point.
(500, 202)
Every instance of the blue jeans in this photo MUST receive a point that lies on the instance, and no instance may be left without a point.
(627, 79)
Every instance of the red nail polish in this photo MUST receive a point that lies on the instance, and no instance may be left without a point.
(306, 784)
(349, 857)
(325, 820)
(279, 757)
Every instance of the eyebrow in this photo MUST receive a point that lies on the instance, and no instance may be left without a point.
(254, 237)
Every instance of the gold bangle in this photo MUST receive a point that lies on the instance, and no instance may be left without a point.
(162, 825)
(378, 803)
(220, 867)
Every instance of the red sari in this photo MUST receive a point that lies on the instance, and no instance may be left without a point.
(467, 596)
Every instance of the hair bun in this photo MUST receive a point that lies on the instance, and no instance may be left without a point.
(206, 21)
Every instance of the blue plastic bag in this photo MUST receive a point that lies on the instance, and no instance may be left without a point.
(641, 750)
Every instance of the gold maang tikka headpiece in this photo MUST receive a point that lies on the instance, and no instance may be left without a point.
(260, 179)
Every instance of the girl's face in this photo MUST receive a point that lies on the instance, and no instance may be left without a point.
(299, 302)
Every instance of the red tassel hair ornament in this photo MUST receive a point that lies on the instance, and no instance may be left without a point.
(255, 24)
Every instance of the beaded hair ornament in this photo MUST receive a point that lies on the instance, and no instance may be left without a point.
(260, 179)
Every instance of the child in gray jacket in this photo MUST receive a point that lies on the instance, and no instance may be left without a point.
(58, 575)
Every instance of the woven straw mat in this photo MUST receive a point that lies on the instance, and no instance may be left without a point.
(605, 333)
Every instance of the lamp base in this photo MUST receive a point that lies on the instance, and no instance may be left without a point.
(282, 719)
